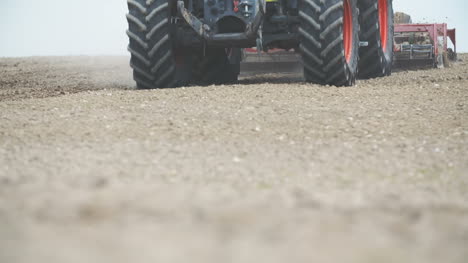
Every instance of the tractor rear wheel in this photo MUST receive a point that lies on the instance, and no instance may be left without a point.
(155, 61)
(217, 66)
(329, 41)
(376, 19)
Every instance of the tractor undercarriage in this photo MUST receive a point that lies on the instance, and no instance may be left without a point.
(233, 23)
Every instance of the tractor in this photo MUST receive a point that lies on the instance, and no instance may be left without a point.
(180, 42)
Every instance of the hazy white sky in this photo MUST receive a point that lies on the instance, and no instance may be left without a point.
(97, 27)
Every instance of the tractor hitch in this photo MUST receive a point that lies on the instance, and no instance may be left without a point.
(215, 33)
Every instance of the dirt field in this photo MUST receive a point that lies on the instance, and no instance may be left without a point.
(269, 170)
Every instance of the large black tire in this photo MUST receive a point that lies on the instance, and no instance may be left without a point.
(329, 41)
(376, 19)
(151, 45)
(217, 66)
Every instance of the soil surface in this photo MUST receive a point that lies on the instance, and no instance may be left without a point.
(269, 170)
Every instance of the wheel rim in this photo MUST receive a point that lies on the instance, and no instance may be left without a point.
(348, 30)
(383, 23)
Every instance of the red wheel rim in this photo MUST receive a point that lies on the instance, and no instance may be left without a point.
(348, 30)
(383, 23)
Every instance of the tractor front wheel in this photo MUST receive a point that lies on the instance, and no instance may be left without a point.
(376, 19)
(155, 61)
(329, 41)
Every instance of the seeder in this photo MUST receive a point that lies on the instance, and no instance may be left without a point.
(425, 44)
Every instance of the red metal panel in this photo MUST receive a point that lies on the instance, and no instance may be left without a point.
(434, 30)
(452, 33)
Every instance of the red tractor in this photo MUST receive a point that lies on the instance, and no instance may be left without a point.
(178, 42)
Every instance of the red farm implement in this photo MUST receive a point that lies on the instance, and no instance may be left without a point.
(424, 43)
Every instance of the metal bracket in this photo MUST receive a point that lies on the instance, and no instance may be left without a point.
(364, 43)
(259, 41)
(193, 21)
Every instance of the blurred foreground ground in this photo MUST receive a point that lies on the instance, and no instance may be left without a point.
(268, 170)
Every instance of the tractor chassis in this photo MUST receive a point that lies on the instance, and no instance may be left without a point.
(256, 30)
